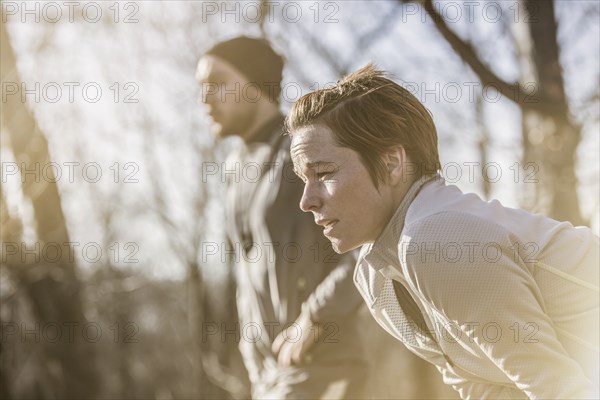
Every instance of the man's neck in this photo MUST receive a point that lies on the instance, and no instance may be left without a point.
(264, 118)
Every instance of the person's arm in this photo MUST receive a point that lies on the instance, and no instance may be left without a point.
(334, 298)
(491, 295)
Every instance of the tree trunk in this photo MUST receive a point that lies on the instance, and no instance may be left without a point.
(550, 137)
(50, 286)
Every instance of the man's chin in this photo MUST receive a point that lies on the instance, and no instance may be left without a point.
(341, 246)
(338, 246)
(221, 133)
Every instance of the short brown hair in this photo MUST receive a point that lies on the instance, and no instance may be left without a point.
(369, 113)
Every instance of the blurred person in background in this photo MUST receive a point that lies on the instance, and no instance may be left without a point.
(503, 302)
(291, 286)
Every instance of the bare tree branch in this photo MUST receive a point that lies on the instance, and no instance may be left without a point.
(382, 28)
(322, 51)
(513, 91)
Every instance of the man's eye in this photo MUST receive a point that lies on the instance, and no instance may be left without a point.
(322, 175)
(299, 175)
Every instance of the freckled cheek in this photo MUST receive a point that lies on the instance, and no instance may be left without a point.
(332, 191)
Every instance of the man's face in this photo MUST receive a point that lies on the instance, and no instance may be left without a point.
(228, 95)
(338, 189)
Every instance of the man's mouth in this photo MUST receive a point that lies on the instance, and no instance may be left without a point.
(328, 224)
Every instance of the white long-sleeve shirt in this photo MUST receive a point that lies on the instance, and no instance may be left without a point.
(510, 299)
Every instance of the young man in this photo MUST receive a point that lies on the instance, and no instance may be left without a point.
(295, 295)
(504, 303)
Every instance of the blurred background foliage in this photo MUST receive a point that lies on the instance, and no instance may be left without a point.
(511, 84)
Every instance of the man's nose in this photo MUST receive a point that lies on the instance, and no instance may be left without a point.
(310, 200)
(207, 100)
(208, 93)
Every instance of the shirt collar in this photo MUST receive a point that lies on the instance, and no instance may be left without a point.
(385, 249)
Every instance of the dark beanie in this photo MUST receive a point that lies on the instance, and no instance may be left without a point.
(255, 59)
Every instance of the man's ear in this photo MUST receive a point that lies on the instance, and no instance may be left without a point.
(395, 161)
